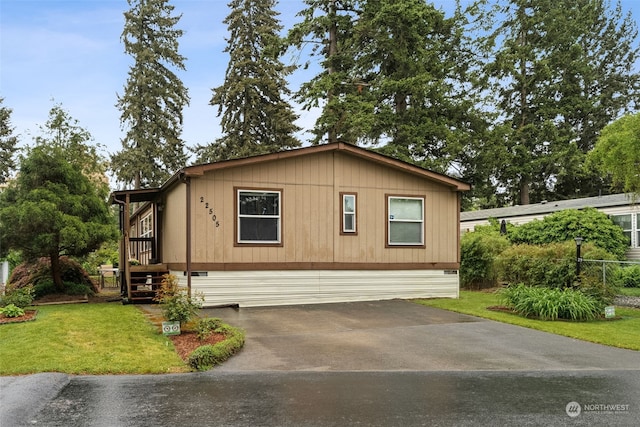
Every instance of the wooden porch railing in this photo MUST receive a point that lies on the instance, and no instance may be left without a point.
(143, 250)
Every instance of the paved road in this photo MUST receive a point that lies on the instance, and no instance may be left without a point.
(389, 363)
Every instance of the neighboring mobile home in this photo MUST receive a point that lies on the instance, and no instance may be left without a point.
(328, 223)
(620, 207)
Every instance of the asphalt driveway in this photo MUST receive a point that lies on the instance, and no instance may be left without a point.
(399, 335)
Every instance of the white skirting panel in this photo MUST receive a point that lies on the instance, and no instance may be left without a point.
(290, 287)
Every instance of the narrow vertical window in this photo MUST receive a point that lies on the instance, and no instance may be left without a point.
(348, 213)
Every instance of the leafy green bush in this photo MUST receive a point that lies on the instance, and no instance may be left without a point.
(12, 310)
(551, 304)
(207, 356)
(177, 305)
(552, 265)
(19, 297)
(627, 277)
(590, 224)
(478, 252)
(208, 325)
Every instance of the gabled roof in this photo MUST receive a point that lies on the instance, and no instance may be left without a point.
(612, 200)
(372, 156)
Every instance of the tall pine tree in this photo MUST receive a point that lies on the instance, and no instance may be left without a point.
(560, 70)
(256, 118)
(154, 97)
(8, 143)
(327, 26)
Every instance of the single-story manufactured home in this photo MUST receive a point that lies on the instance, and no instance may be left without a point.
(622, 208)
(327, 223)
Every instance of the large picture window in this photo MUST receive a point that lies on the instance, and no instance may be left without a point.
(259, 219)
(405, 221)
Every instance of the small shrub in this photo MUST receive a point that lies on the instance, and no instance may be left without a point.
(208, 325)
(177, 305)
(551, 304)
(12, 310)
(19, 297)
(627, 277)
(207, 356)
(77, 289)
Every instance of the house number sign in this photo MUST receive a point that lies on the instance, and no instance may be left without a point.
(210, 212)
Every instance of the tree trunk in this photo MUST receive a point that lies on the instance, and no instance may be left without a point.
(56, 272)
(524, 191)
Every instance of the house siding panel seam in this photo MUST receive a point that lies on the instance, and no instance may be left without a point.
(262, 288)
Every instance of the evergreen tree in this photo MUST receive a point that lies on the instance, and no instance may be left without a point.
(327, 26)
(256, 119)
(8, 143)
(53, 209)
(77, 145)
(154, 96)
(420, 81)
(560, 70)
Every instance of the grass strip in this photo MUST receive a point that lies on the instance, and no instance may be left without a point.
(622, 332)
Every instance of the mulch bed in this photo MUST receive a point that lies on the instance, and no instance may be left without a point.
(188, 341)
(29, 315)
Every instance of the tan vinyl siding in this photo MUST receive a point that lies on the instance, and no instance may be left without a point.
(310, 209)
(174, 239)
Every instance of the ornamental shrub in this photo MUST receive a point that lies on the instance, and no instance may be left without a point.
(19, 297)
(12, 310)
(478, 252)
(589, 223)
(177, 305)
(38, 275)
(551, 304)
(207, 356)
(551, 266)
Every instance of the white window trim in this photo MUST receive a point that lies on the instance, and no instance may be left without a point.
(390, 220)
(354, 214)
(278, 217)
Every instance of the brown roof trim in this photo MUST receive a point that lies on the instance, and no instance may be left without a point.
(150, 194)
(456, 184)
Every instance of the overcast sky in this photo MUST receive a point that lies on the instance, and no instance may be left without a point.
(69, 52)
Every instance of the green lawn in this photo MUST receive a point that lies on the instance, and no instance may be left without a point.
(632, 292)
(87, 339)
(623, 332)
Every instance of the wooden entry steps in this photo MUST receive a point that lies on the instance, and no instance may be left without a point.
(145, 282)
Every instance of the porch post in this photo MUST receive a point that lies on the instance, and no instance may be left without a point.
(126, 227)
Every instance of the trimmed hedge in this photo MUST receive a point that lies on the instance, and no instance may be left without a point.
(207, 356)
(478, 252)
